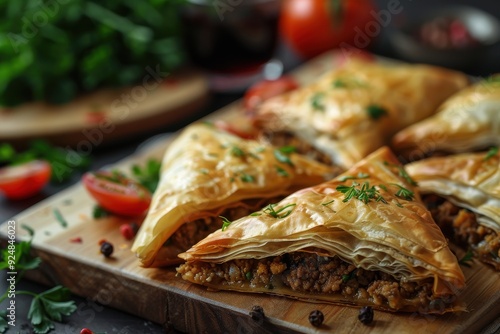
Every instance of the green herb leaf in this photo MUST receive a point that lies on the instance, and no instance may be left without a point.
(375, 111)
(225, 223)
(317, 101)
(406, 176)
(281, 171)
(99, 212)
(249, 275)
(327, 203)
(247, 178)
(288, 149)
(468, 257)
(280, 213)
(282, 157)
(22, 257)
(49, 306)
(237, 152)
(338, 83)
(60, 218)
(28, 229)
(404, 193)
(149, 175)
(491, 153)
(365, 193)
(349, 177)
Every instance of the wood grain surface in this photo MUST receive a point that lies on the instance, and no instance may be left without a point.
(158, 295)
(115, 113)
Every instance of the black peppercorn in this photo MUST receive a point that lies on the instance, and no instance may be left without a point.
(316, 318)
(106, 249)
(257, 313)
(366, 315)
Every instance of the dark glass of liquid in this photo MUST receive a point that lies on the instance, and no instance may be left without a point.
(230, 36)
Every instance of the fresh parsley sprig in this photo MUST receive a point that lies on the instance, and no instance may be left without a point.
(225, 223)
(149, 175)
(363, 192)
(46, 307)
(491, 153)
(279, 213)
(404, 193)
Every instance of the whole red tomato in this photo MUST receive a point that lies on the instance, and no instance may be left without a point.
(312, 27)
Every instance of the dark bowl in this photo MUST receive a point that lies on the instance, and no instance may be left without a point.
(482, 26)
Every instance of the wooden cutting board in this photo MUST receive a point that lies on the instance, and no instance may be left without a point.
(108, 115)
(158, 295)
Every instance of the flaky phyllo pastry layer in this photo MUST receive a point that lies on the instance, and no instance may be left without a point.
(470, 181)
(468, 121)
(363, 238)
(357, 108)
(207, 172)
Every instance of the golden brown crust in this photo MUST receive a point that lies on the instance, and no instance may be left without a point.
(470, 180)
(332, 114)
(204, 171)
(395, 235)
(468, 121)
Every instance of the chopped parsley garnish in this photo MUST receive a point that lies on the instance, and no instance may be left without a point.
(404, 193)
(99, 212)
(365, 193)
(406, 176)
(148, 175)
(383, 187)
(327, 203)
(281, 171)
(467, 258)
(317, 101)
(237, 152)
(350, 177)
(60, 218)
(375, 111)
(287, 149)
(282, 157)
(47, 306)
(225, 223)
(491, 153)
(338, 83)
(247, 178)
(402, 173)
(280, 213)
(203, 171)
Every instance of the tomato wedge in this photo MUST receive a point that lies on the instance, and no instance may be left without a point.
(244, 131)
(117, 193)
(266, 89)
(25, 180)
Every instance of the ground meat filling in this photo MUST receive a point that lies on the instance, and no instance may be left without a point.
(310, 273)
(462, 228)
(192, 232)
(283, 138)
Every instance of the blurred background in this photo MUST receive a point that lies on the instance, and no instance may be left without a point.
(101, 77)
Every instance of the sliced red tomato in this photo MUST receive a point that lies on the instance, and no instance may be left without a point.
(266, 89)
(117, 193)
(25, 180)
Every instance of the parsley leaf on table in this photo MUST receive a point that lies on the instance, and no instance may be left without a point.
(149, 175)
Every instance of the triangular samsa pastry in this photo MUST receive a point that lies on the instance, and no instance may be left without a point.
(468, 203)
(468, 121)
(357, 108)
(206, 173)
(363, 238)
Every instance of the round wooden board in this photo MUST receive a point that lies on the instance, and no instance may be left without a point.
(108, 115)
